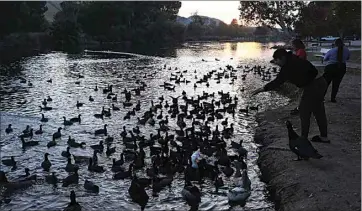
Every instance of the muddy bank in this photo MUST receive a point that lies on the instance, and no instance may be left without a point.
(331, 183)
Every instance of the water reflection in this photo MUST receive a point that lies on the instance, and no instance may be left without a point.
(121, 72)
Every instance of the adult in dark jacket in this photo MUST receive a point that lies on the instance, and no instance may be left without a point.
(304, 75)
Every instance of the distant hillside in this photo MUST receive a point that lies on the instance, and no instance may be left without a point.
(207, 20)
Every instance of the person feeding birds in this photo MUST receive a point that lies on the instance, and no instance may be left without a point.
(304, 75)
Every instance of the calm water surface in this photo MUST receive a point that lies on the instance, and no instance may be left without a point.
(122, 73)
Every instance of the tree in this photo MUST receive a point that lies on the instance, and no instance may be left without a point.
(271, 13)
(346, 15)
(21, 16)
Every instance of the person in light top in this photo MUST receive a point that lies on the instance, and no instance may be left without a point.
(195, 158)
(336, 66)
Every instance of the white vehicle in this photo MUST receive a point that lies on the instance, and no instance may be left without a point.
(329, 38)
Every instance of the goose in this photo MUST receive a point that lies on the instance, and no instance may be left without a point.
(99, 116)
(57, 134)
(79, 104)
(114, 98)
(191, 194)
(8, 129)
(13, 186)
(241, 193)
(44, 102)
(119, 162)
(115, 167)
(66, 122)
(51, 179)
(96, 88)
(115, 108)
(49, 99)
(43, 119)
(71, 142)
(98, 147)
(70, 167)
(52, 143)
(29, 134)
(124, 132)
(80, 159)
(73, 204)
(27, 129)
(76, 119)
(101, 131)
(9, 162)
(50, 81)
(301, 146)
(66, 153)
(90, 186)
(28, 143)
(94, 167)
(45, 108)
(71, 179)
(30, 84)
(137, 193)
(218, 183)
(40, 131)
(27, 175)
(77, 82)
(91, 99)
(110, 151)
(136, 130)
(46, 163)
(109, 139)
(124, 174)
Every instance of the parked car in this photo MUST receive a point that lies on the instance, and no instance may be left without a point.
(350, 38)
(328, 38)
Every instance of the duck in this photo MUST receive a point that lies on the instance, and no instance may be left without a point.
(191, 194)
(70, 167)
(13, 186)
(73, 204)
(51, 179)
(66, 153)
(27, 175)
(45, 108)
(8, 129)
(115, 108)
(28, 143)
(90, 186)
(50, 80)
(301, 146)
(79, 104)
(76, 119)
(110, 151)
(40, 131)
(124, 174)
(91, 99)
(98, 147)
(240, 193)
(52, 143)
(101, 131)
(9, 162)
(66, 122)
(94, 167)
(46, 163)
(57, 134)
(43, 119)
(138, 194)
(71, 179)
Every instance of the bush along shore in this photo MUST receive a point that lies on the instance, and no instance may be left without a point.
(334, 181)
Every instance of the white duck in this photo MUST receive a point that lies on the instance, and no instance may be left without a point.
(240, 193)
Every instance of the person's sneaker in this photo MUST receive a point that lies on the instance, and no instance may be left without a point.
(333, 100)
(320, 139)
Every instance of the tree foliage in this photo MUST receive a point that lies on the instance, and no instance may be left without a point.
(22, 16)
(271, 13)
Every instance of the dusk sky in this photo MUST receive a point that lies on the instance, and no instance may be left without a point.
(223, 10)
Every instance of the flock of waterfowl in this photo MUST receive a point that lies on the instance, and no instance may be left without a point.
(203, 123)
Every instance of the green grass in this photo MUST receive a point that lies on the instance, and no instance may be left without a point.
(355, 56)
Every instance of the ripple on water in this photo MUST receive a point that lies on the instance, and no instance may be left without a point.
(122, 73)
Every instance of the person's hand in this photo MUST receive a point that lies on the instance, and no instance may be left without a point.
(257, 91)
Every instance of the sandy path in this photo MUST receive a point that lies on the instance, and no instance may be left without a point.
(332, 183)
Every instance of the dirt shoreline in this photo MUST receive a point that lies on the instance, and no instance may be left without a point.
(332, 183)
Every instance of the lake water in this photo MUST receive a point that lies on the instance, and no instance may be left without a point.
(20, 107)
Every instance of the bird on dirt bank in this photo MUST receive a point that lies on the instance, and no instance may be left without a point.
(301, 146)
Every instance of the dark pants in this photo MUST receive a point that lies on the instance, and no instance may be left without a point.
(312, 102)
(334, 73)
